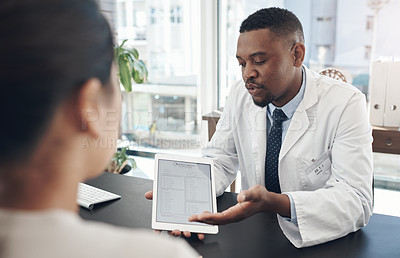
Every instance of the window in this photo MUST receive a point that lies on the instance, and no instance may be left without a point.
(370, 22)
(231, 14)
(121, 8)
(176, 15)
(324, 54)
(153, 16)
(335, 35)
(139, 25)
(324, 19)
(367, 54)
(163, 113)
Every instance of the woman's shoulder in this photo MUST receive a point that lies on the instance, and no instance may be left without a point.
(64, 234)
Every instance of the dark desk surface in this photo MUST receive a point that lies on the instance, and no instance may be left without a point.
(258, 236)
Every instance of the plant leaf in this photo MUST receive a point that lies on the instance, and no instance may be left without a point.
(141, 71)
(124, 65)
(139, 68)
(134, 52)
(129, 66)
(123, 155)
(123, 42)
(136, 76)
(133, 163)
(146, 72)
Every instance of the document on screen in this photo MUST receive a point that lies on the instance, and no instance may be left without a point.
(184, 187)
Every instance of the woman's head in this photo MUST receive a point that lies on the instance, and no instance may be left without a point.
(49, 49)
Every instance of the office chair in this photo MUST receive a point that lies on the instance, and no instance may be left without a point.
(333, 73)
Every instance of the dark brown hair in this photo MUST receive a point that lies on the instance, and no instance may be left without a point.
(48, 50)
(281, 22)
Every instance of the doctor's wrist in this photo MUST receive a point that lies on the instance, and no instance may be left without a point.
(280, 204)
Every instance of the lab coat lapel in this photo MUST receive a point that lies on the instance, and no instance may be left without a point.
(304, 117)
(256, 116)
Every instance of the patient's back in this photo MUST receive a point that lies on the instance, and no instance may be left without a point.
(58, 233)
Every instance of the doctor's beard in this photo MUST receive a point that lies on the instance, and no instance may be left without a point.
(268, 98)
(264, 102)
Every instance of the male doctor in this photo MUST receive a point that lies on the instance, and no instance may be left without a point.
(301, 141)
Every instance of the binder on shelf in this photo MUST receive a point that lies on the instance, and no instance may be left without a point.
(392, 106)
(385, 93)
(378, 83)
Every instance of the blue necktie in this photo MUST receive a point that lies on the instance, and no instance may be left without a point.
(273, 148)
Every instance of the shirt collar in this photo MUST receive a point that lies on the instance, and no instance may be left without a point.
(292, 105)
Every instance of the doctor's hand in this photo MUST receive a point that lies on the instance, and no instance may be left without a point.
(256, 199)
(149, 196)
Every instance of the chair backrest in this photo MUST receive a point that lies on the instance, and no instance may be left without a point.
(334, 73)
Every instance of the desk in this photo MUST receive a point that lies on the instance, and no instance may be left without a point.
(257, 236)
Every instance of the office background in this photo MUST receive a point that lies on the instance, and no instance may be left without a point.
(189, 49)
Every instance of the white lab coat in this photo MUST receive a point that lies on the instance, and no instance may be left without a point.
(325, 162)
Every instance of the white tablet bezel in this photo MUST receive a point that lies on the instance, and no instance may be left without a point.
(195, 228)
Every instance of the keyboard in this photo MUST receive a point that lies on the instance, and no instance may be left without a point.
(89, 195)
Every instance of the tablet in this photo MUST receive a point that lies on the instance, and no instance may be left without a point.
(183, 186)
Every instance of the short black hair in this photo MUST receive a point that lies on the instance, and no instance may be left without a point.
(48, 50)
(281, 22)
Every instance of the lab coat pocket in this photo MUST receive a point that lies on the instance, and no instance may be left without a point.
(320, 170)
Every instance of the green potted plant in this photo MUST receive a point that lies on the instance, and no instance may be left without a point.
(121, 162)
(130, 68)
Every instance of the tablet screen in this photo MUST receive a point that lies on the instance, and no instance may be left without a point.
(184, 189)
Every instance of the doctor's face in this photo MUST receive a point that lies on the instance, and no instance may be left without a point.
(268, 67)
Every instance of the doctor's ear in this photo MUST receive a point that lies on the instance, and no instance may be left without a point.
(298, 52)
